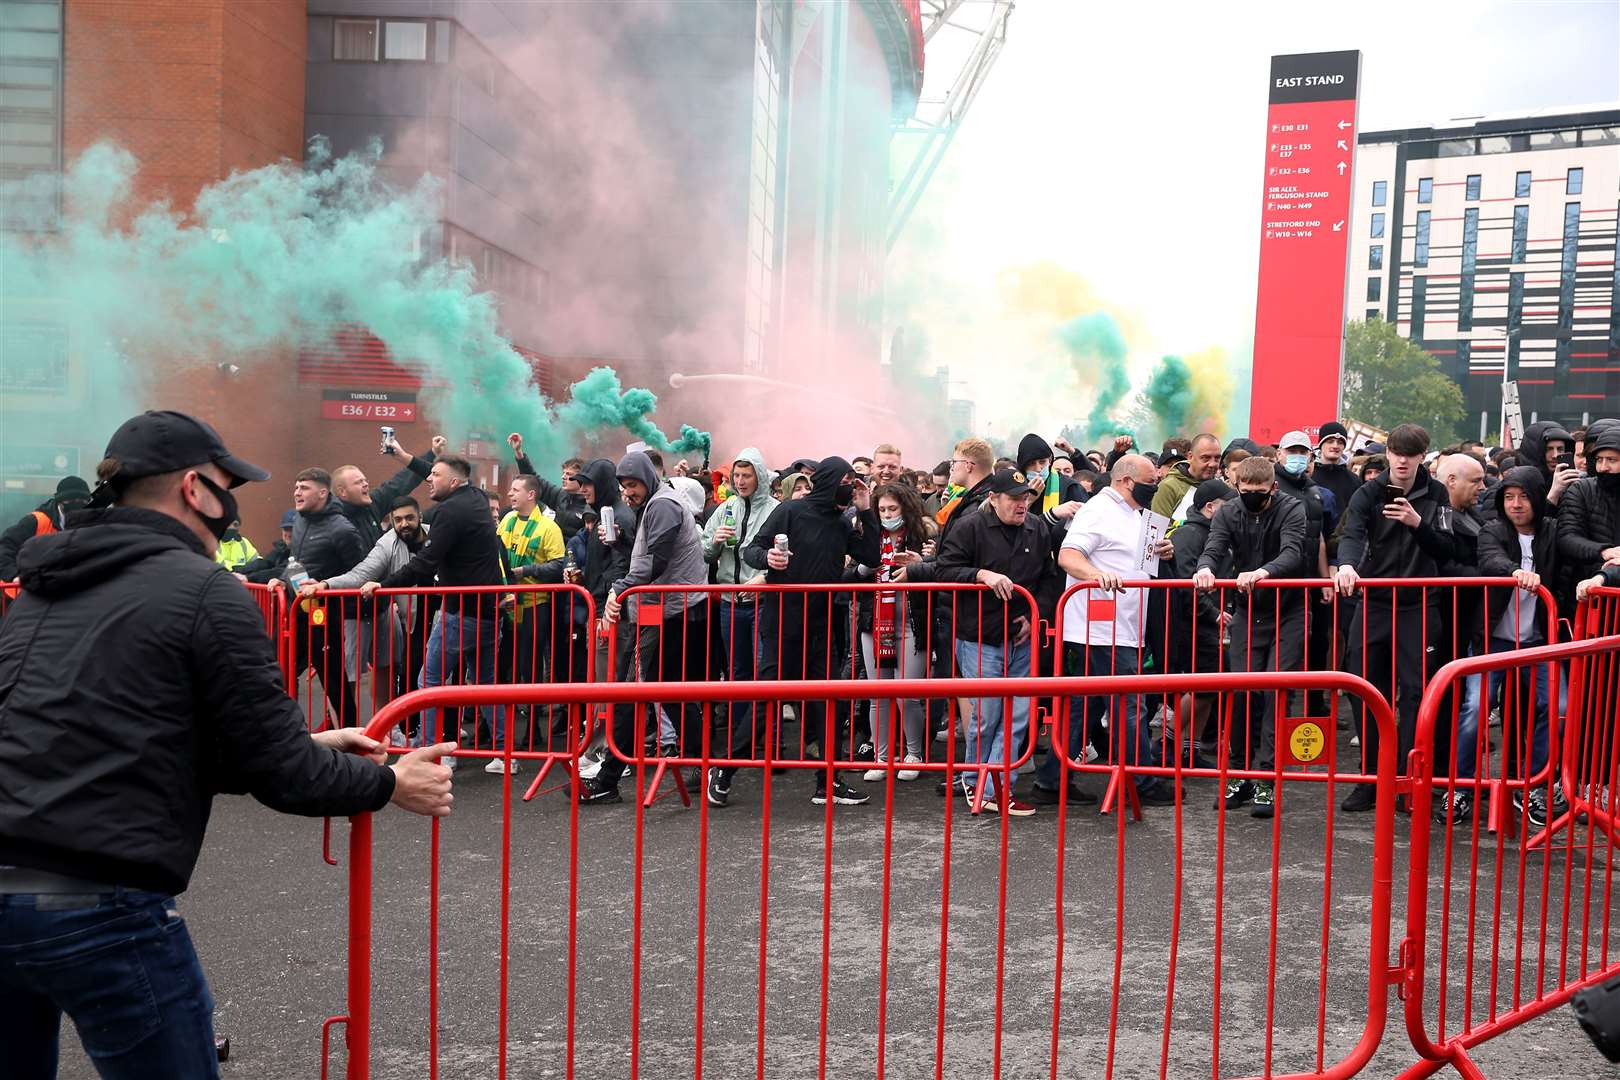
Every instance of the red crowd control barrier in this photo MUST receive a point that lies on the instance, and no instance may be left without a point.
(1517, 931)
(735, 917)
(272, 605)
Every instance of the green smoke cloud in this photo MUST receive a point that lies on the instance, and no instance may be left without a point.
(598, 401)
(1097, 346)
(1169, 398)
(282, 255)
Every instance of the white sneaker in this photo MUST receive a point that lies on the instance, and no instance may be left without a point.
(588, 767)
(1091, 754)
(872, 776)
(497, 767)
(910, 774)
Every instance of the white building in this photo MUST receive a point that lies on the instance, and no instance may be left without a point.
(1495, 236)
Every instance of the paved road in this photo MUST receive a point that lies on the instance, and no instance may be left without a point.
(268, 918)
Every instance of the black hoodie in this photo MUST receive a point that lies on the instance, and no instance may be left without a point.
(1533, 447)
(1379, 547)
(136, 682)
(607, 563)
(819, 538)
(1500, 553)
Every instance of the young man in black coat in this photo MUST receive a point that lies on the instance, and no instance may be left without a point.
(1197, 617)
(136, 683)
(794, 627)
(1265, 535)
(324, 545)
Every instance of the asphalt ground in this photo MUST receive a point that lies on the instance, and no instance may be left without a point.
(267, 915)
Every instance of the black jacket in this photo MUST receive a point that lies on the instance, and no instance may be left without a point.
(1379, 547)
(606, 563)
(370, 519)
(1339, 479)
(819, 537)
(568, 507)
(1309, 495)
(23, 530)
(462, 549)
(981, 541)
(1189, 540)
(325, 542)
(1533, 448)
(1273, 540)
(1500, 554)
(1588, 523)
(269, 565)
(136, 682)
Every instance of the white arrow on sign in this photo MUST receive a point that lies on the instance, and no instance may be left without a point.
(1342, 145)
(1338, 226)
(1343, 124)
(1341, 167)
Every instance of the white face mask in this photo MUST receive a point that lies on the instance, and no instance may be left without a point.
(891, 524)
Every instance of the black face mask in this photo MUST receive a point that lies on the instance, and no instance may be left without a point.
(1255, 501)
(1608, 481)
(845, 494)
(1142, 494)
(227, 503)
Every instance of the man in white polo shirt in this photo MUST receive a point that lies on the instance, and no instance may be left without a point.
(1104, 546)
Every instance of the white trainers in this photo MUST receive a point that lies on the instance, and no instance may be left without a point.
(589, 767)
(872, 776)
(497, 767)
(910, 774)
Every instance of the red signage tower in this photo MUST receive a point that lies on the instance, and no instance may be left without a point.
(1304, 242)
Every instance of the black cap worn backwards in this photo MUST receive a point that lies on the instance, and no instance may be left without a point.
(158, 442)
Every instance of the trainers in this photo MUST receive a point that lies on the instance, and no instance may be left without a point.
(910, 774)
(1014, 807)
(1045, 796)
(589, 767)
(1362, 799)
(866, 752)
(497, 767)
(593, 792)
(842, 795)
(1238, 792)
(1155, 793)
(719, 788)
(1265, 800)
(872, 776)
(1455, 806)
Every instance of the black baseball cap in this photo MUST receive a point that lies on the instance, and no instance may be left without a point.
(1009, 482)
(1211, 490)
(162, 441)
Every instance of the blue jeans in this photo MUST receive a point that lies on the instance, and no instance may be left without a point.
(122, 966)
(1468, 714)
(1127, 733)
(987, 742)
(461, 647)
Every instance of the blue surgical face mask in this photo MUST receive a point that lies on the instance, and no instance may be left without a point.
(1037, 477)
(1296, 464)
(891, 524)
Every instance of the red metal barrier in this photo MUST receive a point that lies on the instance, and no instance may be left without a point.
(272, 604)
(1547, 908)
(1027, 961)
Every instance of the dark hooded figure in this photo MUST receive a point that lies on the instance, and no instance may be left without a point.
(1589, 515)
(794, 627)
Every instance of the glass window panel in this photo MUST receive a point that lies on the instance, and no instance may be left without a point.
(1572, 186)
(1375, 289)
(405, 41)
(30, 16)
(1456, 147)
(354, 39)
(1600, 136)
(1471, 192)
(36, 156)
(1521, 233)
(29, 43)
(28, 131)
(1420, 246)
(1426, 190)
(1375, 257)
(17, 98)
(24, 74)
(1380, 192)
(1377, 226)
(1495, 144)
(1521, 185)
(1542, 140)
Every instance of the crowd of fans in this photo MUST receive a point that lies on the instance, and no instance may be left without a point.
(1025, 529)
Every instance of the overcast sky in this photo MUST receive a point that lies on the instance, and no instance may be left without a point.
(1125, 141)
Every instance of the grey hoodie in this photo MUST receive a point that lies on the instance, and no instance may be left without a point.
(749, 515)
(669, 546)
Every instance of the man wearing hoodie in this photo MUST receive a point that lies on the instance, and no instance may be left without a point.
(1589, 517)
(731, 528)
(72, 493)
(1057, 497)
(121, 717)
(1203, 462)
(1333, 464)
(1263, 535)
(793, 632)
(1521, 542)
(667, 551)
(1551, 450)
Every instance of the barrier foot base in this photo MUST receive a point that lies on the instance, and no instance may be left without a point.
(653, 794)
(567, 766)
(1119, 782)
(1501, 818)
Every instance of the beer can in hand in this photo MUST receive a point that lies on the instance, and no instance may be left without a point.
(610, 531)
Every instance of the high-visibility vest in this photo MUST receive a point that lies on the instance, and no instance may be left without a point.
(43, 526)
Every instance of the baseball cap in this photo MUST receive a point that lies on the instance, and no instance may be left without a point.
(1009, 482)
(161, 441)
(1294, 438)
(1171, 456)
(289, 519)
(1211, 490)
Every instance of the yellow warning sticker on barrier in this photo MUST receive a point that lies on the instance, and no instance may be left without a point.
(1307, 742)
(317, 617)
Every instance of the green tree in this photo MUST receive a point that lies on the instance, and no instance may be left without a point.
(1389, 380)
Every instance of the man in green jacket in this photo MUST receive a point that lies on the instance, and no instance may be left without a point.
(1176, 489)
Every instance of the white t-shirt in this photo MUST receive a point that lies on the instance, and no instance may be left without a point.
(1109, 534)
(1518, 622)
